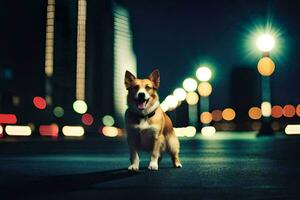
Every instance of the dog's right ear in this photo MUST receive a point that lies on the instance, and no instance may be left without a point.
(129, 78)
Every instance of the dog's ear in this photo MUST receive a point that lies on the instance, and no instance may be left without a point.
(155, 78)
(129, 77)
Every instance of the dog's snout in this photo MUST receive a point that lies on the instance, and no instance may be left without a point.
(141, 96)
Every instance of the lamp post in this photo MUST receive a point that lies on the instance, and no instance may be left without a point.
(192, 98)
(204, 74)
(266, 67)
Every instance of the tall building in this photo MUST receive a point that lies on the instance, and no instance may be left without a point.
(66, 51)
(244, 93)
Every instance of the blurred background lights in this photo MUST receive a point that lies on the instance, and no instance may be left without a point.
(292, 129)
(1, 129)
(228, 114)
(14, 130)
(73, 131)
(208, 131)
(216, 115)
(204, 89)
(265, 42)
(192, 98)
(80, 106)
(298, 110)
(110, 131)
(179, 94)
(108, 120)
(49, 130)
(39, 102)
(254, 113)
(190, 84)
(277, 111)
(87, 119)
(58, 111)
(203, 74)
(289, 111)
(190, 131)
(266, 66)
(266, 109)
(8, 119)
(171, 102)
(205, 117)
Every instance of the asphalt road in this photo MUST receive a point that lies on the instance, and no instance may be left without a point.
(219, 168)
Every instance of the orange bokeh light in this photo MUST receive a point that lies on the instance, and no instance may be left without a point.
(277, 111)
(206, 117)
(298, 110)
(254, 113)
(216, 115)
(228, 114)
(289, 111)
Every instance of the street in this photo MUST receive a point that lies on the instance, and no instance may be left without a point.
(219, 168)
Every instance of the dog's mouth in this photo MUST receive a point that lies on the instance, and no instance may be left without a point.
(142, 103)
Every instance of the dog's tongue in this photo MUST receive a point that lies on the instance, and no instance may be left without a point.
(142, 105)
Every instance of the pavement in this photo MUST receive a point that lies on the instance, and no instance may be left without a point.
(226, 166)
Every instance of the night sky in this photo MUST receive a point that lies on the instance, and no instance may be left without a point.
(176, 36)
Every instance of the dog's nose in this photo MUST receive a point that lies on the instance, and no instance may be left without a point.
(141, 96)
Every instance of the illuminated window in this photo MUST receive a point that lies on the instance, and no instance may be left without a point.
(80, 64)
(124, 57)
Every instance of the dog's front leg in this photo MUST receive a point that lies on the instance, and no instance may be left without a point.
(134, 159)
(153, 165)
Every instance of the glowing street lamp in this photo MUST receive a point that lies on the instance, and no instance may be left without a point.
(203, 74)
(265, 42)
(266, 67)
(190, 84)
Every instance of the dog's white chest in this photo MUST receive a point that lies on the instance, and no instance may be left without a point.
(144, 126)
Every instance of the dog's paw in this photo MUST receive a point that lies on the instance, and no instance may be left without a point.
(133, 167)
(153, 166)
(178, 165)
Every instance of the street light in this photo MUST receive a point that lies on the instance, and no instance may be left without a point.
(265, 43)
(204, 74)
(179, 94)
(190, 84)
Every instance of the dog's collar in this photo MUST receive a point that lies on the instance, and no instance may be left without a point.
(149, 115)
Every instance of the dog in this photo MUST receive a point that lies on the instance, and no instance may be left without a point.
(148, 127)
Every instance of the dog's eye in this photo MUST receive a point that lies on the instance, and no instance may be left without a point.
(148, 87)
(136, 87)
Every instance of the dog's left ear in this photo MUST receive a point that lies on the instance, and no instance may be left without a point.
(155, 78)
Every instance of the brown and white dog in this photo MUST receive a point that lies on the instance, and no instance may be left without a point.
(148, 127)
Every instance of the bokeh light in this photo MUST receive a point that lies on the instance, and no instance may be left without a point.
(49, 130)
(73, 131)
(87, 119)
(292, 129)
(58, 111)
(192, 98)
(8, 119)
(289, 111)
(190, 131)
(254, 113)
(1, 129)
(15, 130)
(190, 84)
(277, 111)
(171, 102)
(276, 126)
(205, 117)
(266, 109)
(39, 102)
(266, 66)
(216, 115)
(179, 94)
(80, 106)
(108, 120)
(203, 74)
(204, 89)
(265, 42)
(228, 114)
(110, 131)
(298, 110)
(208, 131)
